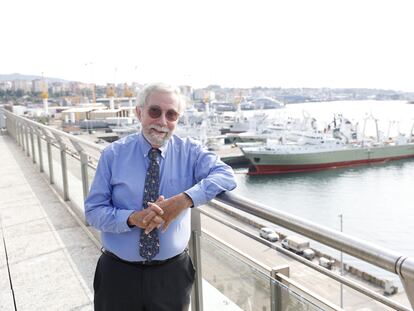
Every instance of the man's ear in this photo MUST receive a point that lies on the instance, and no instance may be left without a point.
(138, 112)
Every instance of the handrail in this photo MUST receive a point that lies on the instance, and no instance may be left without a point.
(55, 131)
(381, 257)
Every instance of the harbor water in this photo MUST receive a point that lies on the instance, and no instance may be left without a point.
(376, 200)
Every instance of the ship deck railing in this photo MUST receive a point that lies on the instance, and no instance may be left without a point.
(229, 277)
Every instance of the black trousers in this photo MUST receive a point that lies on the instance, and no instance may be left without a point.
(121, 286)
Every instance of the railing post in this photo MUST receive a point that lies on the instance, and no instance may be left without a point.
(22, 136)
(26, 134)
(409, 289)
(39, 147)
(49, 157)
(10, 127)
(405, 270)
(84, 167)
(276, 296)
(64, 173)
(195, 252)
(13, 127)
(15, 130)
(19, 134)
(32, 143)
(62, 148)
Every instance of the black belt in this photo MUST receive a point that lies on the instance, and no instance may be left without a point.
(143, 263)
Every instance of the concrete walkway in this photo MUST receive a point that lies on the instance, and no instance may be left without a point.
(47, 261)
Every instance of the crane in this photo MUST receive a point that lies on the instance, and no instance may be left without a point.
(44, 95)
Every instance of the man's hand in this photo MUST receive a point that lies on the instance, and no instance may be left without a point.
(148, 218)
(172, 207)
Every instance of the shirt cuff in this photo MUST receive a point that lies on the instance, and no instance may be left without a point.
(123, 216)
(197, 195)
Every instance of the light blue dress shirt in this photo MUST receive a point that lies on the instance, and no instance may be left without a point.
(118, 186)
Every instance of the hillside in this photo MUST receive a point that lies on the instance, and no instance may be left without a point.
(18, 76)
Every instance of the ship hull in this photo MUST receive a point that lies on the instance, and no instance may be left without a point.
(268, 162)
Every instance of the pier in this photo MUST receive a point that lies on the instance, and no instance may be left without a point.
(233, 156)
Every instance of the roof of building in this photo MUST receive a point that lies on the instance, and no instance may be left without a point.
(106, 111)
(78, 109)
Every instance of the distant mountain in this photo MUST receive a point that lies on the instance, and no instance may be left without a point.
(18, 76)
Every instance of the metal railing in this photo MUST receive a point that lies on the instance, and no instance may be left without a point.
(43, 142)
(388, 260)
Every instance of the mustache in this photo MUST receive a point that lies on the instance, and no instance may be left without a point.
(159, 128)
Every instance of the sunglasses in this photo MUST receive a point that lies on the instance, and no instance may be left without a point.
(156, 112)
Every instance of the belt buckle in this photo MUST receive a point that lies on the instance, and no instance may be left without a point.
(146, 263)
(150, 262)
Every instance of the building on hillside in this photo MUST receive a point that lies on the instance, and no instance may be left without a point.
(22, 85)
(39, 85)
(5, 85)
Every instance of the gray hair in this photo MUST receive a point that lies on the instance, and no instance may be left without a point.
(148, 89)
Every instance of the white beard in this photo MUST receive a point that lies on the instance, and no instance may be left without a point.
(154, 137)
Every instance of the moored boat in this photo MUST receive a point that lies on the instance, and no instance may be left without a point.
(296, 158)
(321, 151)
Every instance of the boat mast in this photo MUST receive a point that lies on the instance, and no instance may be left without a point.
(376, 129)
(411, 133)
(370, 117)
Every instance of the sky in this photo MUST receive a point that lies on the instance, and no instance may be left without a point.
(233, 43)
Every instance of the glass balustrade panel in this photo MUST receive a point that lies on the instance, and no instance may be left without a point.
(73, 165)
(91, 175)
(230, 282)
(57, 168)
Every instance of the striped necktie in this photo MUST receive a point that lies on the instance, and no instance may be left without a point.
(149, 244)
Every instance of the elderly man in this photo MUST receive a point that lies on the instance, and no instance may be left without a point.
(141, 199)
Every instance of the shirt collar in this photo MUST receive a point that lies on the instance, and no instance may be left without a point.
(146, 146)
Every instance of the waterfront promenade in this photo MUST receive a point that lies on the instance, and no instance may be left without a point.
(46, 260)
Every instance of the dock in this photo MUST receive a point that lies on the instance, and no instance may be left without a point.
(233, 156)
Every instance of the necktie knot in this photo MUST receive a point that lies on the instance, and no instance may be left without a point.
(153, 154)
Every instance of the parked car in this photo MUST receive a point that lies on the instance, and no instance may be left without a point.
(269, 234)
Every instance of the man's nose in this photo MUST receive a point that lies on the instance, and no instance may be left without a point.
(162, 119)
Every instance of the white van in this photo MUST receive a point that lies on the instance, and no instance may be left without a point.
(309, 253)
(326, 263)
(295, 244)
